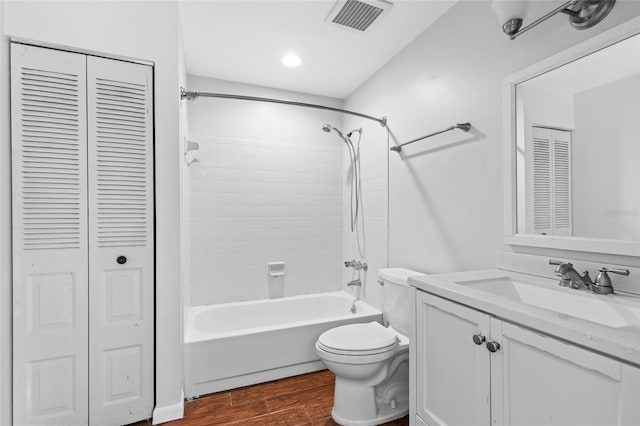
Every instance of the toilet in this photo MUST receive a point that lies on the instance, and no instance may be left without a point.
(371, 361)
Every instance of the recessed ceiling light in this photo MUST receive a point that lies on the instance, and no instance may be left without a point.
(291, 60)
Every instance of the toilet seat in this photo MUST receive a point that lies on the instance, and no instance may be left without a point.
(358, 340)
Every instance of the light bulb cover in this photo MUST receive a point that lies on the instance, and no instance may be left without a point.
(507, 10)
(291, 60)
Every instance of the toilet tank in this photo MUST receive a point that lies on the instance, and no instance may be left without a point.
(396, 297)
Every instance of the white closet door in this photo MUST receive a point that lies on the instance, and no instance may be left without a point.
(121, 241)
(48, 123)
(562, 203)
(551, 181)
(542, 182)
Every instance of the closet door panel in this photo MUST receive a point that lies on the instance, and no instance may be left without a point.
(50, 282)
(121, 241)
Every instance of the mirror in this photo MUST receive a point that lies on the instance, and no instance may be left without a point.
(575, 140)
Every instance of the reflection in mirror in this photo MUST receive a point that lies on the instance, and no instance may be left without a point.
(578, 147)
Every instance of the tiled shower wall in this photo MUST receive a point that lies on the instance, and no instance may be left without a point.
(267, 188)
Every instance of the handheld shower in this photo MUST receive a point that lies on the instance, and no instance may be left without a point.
(356, 187)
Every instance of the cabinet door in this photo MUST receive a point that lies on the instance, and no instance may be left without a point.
(48, 143)
(539, 380)
(121, 241)
(452, 371)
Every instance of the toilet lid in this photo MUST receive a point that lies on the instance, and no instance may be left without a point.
(360, 338)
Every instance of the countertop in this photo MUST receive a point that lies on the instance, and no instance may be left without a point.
(622, 343)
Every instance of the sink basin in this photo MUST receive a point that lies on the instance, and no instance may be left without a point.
(610, 311)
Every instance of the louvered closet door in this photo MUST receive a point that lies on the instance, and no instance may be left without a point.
(121, 241)
(542, 182)
(552, 202)
(48, 124)
(562, 203)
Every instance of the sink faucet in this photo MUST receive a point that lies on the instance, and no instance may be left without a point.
(569, 277)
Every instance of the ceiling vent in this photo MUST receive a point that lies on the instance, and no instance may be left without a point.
(357, 14)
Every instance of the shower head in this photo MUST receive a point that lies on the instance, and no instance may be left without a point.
(328, 128)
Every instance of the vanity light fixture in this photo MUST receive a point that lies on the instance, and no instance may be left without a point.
(291, 60)
(583, 14)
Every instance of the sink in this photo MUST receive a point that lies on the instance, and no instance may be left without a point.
(611, 311)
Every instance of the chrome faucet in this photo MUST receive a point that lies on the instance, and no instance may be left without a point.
(355, 264)
(603, 282)
(356, 282)
(569, 277)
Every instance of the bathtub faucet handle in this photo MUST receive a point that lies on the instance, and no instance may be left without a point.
(349, 263)
(355, 264)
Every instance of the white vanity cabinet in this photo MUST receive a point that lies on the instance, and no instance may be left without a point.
(452, 373)
(530, 379)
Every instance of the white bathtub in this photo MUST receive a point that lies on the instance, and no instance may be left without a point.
(238, 344)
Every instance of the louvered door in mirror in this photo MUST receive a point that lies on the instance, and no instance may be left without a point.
(82, 167)
(549, 182)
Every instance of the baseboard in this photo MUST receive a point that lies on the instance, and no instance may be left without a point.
(166, 413)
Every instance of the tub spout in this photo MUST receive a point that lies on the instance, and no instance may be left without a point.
(354, 282)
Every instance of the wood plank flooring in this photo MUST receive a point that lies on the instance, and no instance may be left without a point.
(295, 401)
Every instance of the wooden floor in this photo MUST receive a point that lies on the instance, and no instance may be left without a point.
(299, 400)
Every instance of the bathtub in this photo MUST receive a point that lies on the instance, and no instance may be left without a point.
(242, 343)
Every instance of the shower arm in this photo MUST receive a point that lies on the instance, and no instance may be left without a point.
(189, 95)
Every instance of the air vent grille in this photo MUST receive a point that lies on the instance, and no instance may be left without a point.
(357, 15)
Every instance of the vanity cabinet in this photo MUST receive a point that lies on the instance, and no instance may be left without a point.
(530, 378)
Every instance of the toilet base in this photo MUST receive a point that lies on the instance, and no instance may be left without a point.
(358, 405)
(385, 414)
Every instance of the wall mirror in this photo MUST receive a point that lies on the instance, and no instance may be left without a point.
(573, 147)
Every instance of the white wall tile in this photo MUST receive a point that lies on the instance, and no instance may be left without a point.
(265, 190)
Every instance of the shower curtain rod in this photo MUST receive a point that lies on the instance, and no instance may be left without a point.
(185, 94)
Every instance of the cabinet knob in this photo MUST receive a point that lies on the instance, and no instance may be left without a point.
(493, 346)
(478, 339)
(121, 260)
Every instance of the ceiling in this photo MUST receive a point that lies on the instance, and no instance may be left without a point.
(244, 41)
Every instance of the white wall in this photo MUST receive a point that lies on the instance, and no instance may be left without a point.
(144, 30)
(5, 229)
(445, 193)
(606, 165)
(268, 188)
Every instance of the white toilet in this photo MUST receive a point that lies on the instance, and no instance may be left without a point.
(371, 361)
